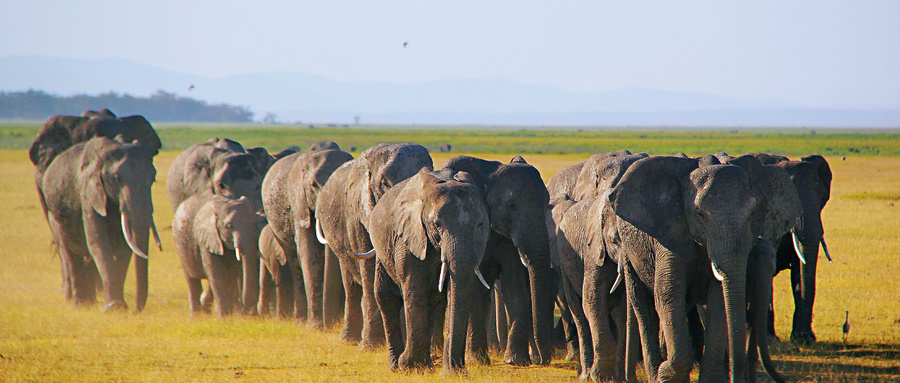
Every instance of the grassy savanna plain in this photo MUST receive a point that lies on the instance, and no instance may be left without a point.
(44, 338)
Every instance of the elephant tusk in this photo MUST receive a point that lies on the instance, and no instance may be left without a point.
(237, 249)
(442, 277)
(137, 251)
(525, 262)
(797, 247)
(481, 278)
(364, 256)
(319, 234)
(619, 280)
(715, 270)
(155, 234)
(825, 247)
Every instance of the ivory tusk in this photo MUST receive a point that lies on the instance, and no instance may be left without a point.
(715, 270)
(319, 234)
(616, 283)
(237, 249)
(797, 247)
(155, 234)
(442, 277)
(481, 278)
(127, 233)
(364, 256)
(524, 262)
(825, 247)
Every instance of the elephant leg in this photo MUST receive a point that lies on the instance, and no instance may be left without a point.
(670, 293)
(266, 289)
(647, 322)
(311, 255)
(301, 305)
(77, 262)
(617, 308)
(500, 316)
(597, 282)
(373, 325)
(333, 290)
(218, 275)
(576, 308)
(285, 300)
(517, 296)
(391, 305)
(568, 327)
(437, 309)
(803, 282)
(352, 330)
(477, 336)
(417, 353)
(632, 342)
(713, 363)
(206, 298)
(194, 291)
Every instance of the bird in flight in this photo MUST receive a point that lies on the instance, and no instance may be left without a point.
(405, 43)
(190, 88)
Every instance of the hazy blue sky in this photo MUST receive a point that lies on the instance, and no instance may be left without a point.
(814, 53)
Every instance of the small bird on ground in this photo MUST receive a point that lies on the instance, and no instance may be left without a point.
(846, 328)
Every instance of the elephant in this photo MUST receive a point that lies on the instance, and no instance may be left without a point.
(686, 228)
(275, 273)
(578, 233)
(519, 247)
(343, 209)
(799, 250)
(218, 165)
(429, 233)
(100, 211)
(760, 271)
(217, 240)
(289, 192)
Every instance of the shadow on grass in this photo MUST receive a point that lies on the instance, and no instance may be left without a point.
(831, 361)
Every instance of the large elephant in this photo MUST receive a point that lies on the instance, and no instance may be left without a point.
(518, 252)
(217, 240)
(342, 211)
(427, 230)
(812, 178)
(100, 211)
(290, 191)
(683, 228)
(218, 165)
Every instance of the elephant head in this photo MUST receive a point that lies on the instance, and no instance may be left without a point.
(115, 180)
(721, 208)
(307, 176)
(386, 165)
(235, 176)
(517, 205)
(228, 227)
(601, 172)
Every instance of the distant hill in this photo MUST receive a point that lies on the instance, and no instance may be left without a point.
(159, 107)
(294, 97)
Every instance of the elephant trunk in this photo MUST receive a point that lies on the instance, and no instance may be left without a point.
(137, 218)
(458, 260)
(734, 289)
(250, 266)
(534, 248)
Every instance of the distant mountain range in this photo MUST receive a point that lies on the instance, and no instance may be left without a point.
(299, 97)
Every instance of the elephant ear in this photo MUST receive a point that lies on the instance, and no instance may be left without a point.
(581, 226)
(479, 169)
(518, 160)
(650, 196)
(784, 206)
(93, 191)
(206, 229)
(407, 215)
(54, 138)
(824, 172)
(138, 128)
(761, 184)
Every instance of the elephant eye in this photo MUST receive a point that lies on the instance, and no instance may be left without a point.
(222, 185)
(228, 226)
(512, 206)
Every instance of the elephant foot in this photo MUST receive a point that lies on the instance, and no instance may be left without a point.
(803, 337)
(571, 353)
(415, 364)
(517, 360)
(347, 338)
(370, 345)
(315, 325)
(454, 372)
(115, 306)
(480, 357)
(206, 300)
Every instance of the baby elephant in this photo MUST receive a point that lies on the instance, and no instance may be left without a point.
(216, 237)
(429, 234)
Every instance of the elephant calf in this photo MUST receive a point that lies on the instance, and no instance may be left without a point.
(216, 238)
(428, 230)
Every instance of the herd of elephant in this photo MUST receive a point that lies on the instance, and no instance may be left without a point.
(664, 259)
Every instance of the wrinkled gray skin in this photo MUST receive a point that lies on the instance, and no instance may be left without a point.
(517, 204)
(674, 217)
(783, 210)
(580, 232)
(96, 194)
(290, 192)
(216, 239)
(343, 210)
(812, 178)
(431, 219)
(221, 166)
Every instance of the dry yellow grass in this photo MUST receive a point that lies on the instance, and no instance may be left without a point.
(43, 338)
